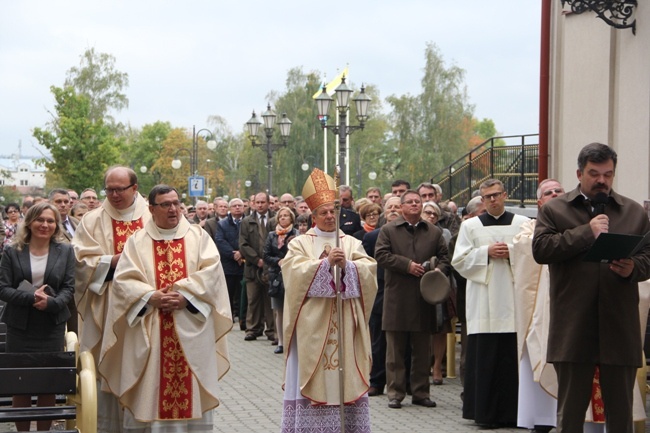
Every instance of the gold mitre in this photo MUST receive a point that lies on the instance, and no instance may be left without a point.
(319, 189)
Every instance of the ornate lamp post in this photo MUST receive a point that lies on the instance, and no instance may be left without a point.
(361, 101)
(269, 117)
(194, 154)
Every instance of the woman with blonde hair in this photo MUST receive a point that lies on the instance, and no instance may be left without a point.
(275, 249)
(37, 283)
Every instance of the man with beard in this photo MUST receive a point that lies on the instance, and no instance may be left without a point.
(594, 325)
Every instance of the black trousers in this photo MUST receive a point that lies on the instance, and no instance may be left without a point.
(574, 392)
(378, 340)
(491, 379)
(233, 282)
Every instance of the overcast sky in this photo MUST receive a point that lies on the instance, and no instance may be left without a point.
(192, 59)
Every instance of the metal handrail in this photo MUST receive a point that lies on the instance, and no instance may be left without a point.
(515, 165)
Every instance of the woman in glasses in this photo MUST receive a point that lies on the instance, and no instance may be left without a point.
(37, 283)
(11, 224)
(369, 214)
(431, 212)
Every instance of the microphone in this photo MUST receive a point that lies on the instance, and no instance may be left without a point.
(599, 202)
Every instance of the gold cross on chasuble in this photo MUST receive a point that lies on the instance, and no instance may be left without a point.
(175, 394)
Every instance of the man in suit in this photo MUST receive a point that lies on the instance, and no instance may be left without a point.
(402, 248)
(252, 236)
(201, 215)
(594, 316)
(349, 220)
(227, 239)
(60, 198)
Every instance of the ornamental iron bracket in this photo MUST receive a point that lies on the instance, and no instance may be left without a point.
(616, 13)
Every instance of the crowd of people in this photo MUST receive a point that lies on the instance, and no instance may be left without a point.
(335, 284)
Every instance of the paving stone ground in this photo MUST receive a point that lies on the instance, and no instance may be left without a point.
(252, 398)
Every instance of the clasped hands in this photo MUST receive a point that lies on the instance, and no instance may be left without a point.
(498, 250)
(40, 298)
(336, 256)
(167, 300)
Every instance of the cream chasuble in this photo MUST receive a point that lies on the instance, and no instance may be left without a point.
(166, 366)
(101, 233)
(310, 316)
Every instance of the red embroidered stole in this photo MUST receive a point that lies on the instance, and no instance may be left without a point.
(175, 393)
(122, 231)
(597, 405)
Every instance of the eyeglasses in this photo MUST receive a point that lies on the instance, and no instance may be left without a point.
(168, 204)
(12, 211)
(430, 213)
(372, 215)
(89, 197)
(110, 191)
(495, 195)
(551, 191)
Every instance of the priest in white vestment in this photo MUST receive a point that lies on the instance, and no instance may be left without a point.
(311, 389)
(164, 344)
(98, 243)
(483, 255)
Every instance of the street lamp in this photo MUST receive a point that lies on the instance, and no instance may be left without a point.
(269, 122)
(194, 153)
(361, 101)
(305, 163)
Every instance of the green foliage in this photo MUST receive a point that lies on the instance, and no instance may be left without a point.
(143, 148)
(81, 149)
(428, 131)
(103, 85)
(10, 194)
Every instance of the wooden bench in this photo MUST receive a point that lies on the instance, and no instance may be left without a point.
(62, 373)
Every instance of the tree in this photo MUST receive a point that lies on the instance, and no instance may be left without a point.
(428, 130)
(103, 85)
(226, 160)
(81, 148)
(143, 148)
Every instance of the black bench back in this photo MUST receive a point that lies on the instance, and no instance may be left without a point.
(37, 373)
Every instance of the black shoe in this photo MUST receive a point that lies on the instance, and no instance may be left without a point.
(394, 404)
(275, 343)
(426, 402)
(374, 391)
(250, 337)
(279, 349)
(542, 429)
(242, 325)
(488, 426)
(408, 389)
